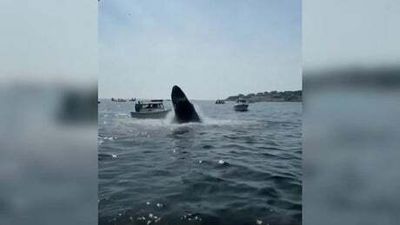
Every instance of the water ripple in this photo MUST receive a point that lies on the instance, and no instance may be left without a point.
(231, 169)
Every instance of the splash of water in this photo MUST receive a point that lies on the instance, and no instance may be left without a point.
(168, 121)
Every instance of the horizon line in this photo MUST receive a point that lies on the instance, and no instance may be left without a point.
(108, 97)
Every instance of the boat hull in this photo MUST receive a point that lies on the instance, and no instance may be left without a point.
(241, 107)
(150, 115)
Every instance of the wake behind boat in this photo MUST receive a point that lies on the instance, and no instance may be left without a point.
(152, 109)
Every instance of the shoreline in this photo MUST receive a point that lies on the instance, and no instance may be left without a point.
(273, 96)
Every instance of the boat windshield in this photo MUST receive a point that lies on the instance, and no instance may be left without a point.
(241, 101)
(153, 106)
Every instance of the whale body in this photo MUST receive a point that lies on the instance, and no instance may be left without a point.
(184, 109)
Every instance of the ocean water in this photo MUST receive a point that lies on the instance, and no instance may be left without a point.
(351, 156)
(233, 168)
(48, 165)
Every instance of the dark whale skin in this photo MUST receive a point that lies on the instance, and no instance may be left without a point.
(184, 109)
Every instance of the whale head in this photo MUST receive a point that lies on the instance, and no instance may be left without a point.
(184, 109)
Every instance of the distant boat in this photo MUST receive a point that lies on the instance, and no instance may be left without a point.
(153, 109)
(241, 105)
(220, 101)
(118, 100)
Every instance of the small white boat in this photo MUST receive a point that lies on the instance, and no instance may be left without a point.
(241, 105)
(153, 109)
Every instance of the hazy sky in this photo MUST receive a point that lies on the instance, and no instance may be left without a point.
(352, 32)
(48, 41)
(212, 49)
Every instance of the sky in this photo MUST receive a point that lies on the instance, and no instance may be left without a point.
(48, 41)
(211, 49)
(353, 32)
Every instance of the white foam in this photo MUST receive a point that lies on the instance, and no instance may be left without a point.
(168, 121)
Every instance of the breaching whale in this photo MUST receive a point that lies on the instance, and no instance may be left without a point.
(184, 110)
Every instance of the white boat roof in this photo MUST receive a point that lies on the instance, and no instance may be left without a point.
(152, 101)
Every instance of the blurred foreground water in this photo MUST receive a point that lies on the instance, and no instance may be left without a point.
(351, 146)
(48, 112)
(48, 164)
(351, 128)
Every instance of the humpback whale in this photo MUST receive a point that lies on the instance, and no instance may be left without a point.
(184, 110)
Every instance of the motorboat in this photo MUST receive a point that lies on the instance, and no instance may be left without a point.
(220, 101)
(241, 105)
(151, 109)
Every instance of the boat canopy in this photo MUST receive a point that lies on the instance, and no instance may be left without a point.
(153, 101)
(241, 101)
(148, 105)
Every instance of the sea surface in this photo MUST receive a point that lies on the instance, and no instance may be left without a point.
(233, 168)
(48, 165)
(351, 156)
